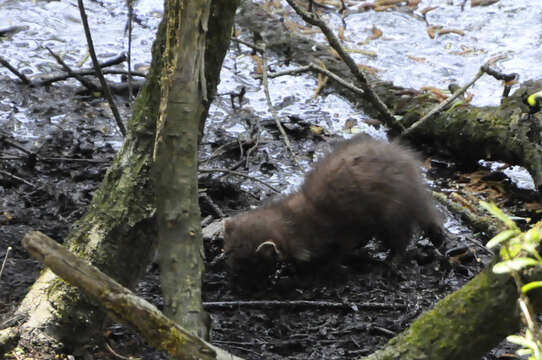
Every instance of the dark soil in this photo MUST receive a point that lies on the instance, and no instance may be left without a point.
(49, 195)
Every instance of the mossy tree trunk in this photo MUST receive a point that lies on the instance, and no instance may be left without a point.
(117, 233)
(494, 132)
(175, 169)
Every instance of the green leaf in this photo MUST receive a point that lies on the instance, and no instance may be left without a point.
(496, 212)
(524, 352)
(520, 340)
(530, 286)
(513, 265)
(501, 237)
(533, 236)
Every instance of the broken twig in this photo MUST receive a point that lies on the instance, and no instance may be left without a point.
(10, 67)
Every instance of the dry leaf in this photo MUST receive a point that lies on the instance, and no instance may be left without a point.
(417, 59)
(451, 31)
(361, 51)
(427, 9)
(349, 124)
(376, 32)
(435, 92)
(316, 130)
(431, 30)
(494, 59)
(259, 65)
(383, 8)
(322, 81)
(341, 34)
(482, 2)
(388, 2)
(334, 53)
(369, 69)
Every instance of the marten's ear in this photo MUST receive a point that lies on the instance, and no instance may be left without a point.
(269, 249)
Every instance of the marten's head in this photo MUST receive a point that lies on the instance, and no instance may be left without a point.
(253, 243)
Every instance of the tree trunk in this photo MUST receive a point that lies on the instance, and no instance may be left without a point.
(175, 168)
(116, 233)
(493, 133)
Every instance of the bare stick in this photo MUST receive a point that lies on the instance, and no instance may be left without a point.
(21, 76)
(443, 104)
(375, 100)
(302, 303)
(105, 87)
(49, 81)
(92, 161)
(15, 177)
(321, 70)
(88, 84)
(3, 138)
(237, 173)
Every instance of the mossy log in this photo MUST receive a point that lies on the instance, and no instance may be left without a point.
(124, 305)
(471, 133)
(466, 324)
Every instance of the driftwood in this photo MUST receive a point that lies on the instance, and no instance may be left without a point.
(120, 302)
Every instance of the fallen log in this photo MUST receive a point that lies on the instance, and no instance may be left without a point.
(120, 302)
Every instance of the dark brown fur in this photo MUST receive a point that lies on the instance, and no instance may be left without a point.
(363, 189)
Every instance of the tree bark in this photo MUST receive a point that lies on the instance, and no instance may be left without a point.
(493, 132)
(116, 233)
(184, 95)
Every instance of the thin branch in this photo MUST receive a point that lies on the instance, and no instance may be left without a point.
(375, 100)
(49, 81)
(86, 83)
(21, 76)
(237, 173)
(3, 138)
(130, 4)
(15, 177)
(105, 87)
(268, 304)
(321, 70)
(443, 104)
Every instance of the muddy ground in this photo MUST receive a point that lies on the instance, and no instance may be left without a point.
(49, 193)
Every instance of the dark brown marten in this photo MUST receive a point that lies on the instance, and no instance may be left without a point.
(362, 189)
